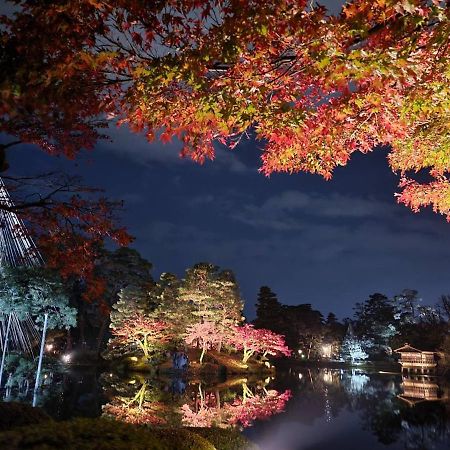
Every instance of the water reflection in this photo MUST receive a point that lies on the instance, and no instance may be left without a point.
(310, 409)
(236, 402)
(421, 388)
(355, 409)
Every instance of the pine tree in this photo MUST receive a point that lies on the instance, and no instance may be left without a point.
(134, 302)
(213, 294)
(176, 312)
(268, 310)
(34, 291)
(352, 348)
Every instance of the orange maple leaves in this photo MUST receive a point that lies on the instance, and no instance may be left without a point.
(315, 87)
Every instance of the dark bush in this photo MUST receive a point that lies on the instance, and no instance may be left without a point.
(100, 434)
(18, 414)
(225, 439)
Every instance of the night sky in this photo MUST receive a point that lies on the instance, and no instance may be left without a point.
(329, 243)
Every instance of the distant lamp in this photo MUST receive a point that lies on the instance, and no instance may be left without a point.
(326, 351)
(49, 347)
(67, 358)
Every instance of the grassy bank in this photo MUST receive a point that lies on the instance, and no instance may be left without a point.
(214, 363)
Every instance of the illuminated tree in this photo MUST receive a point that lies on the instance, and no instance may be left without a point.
(70, 223)
(141, 333)
(272, 344)
(133, 301)
(122, 269)
(205, 335)
(314, 87)
(334, 332)
(197, 310)
(407, 304)
(376, 322)
(352, 347)
(170, 308)
(213, 295)
(34, 292)
(253, 341)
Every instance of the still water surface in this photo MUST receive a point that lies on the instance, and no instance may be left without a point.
(306, 409)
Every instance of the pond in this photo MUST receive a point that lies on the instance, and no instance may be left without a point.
(301, 409)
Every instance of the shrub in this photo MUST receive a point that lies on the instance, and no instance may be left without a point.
(18, 414)
(100, 434)
(225, 439)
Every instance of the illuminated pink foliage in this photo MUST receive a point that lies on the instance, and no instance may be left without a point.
(257, 407)
(205, 335)
(242, 410)
(141, 331)
(253, 340)
(148, 413)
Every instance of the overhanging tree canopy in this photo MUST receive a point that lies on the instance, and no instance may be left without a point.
(314, 87)
(35, 291)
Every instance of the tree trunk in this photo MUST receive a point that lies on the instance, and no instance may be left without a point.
(247, 355)
(101, 334)
(82, 328)
(202, 355)
(69, 343)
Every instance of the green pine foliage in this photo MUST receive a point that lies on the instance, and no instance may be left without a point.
(206, 294)
(34, 292)
(268, 309)
(213, 294)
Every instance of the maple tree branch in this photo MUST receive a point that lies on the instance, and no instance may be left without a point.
(10, 144)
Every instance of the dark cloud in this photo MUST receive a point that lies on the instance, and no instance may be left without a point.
(125, 144)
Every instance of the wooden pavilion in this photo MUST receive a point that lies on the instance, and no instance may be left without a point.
(413, 359)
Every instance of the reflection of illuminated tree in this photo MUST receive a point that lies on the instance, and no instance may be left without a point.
(20, 374)
(257, 407)
(137, 410)
(241, 410)
(206, 412)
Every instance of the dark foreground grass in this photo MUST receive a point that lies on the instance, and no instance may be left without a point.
(23, 427)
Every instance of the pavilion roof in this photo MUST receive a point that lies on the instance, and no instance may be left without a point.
(410, 349)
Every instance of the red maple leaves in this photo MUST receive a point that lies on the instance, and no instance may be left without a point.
(314, 87)
(260, 341)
